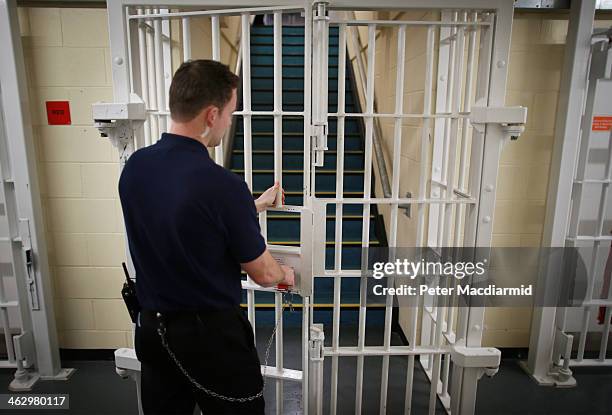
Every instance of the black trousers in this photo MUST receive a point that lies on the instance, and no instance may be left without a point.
(216, 348)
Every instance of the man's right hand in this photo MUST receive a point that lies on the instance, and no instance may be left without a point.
(289, 279)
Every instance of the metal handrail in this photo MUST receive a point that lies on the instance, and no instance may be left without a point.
(377, 132)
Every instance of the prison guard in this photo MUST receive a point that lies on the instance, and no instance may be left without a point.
(190, 223)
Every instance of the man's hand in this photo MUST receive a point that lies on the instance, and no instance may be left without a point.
(268, 198)
(289, 280)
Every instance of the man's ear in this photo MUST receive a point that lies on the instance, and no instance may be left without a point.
(212, 116)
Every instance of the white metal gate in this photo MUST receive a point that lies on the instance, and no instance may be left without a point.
(456, 187)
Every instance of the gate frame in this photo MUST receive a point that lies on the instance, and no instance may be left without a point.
(545, 332)
(494, 93)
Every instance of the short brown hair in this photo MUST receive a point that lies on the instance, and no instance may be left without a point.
(198, 84)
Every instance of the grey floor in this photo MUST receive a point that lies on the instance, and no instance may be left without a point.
(96, 389)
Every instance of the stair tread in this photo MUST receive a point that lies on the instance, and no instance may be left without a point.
(239, 151)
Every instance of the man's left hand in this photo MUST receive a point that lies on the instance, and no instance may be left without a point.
(267, 199)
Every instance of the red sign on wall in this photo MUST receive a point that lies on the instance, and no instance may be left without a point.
(58, 112)
(602, 123)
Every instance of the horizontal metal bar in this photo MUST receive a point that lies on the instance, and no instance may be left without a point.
(592, 181)
(404, 23)
(596, 303)
(9, 304)
(391, 201)
(455, 191)
(253, 113)
(459, 115)
(250, 285)
(5, 364)
(589, 238)
(285, 374)
(229, 12)
(382, 351)
(590, 362)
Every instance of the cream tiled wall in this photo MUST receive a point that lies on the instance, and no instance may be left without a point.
(67, 58)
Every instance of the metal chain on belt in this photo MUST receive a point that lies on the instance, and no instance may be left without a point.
(164, 342)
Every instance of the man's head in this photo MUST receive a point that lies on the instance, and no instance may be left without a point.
(202, 100)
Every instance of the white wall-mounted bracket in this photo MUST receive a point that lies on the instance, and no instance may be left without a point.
(118, 121)
(512, 120)
(487, 359)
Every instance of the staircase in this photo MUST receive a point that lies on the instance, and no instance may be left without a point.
(284, 228)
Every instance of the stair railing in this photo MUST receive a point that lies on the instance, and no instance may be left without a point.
(377, 145)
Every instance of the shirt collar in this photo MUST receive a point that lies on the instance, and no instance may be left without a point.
(181, 140)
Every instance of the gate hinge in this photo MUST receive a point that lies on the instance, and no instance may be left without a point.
(317, 336)
(118, 120)
(24, 348)
(511, 119)
(485, 358)
(319, 142)
(28, 259)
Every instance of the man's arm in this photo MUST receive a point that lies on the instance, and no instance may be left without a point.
(265, 271)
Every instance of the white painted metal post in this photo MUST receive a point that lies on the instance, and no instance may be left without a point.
(186, 30)
(152, 77)
(567, 133)
(159, 72)
(216, 55)
(39, 339)
(144, 75)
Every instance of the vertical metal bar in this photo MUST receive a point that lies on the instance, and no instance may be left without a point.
(4, 317)
(216, 55)
(248, 150)
(339, 208)
(429, 58)
(450, 184)
(186, 28)
(278, 173)
(307, 104)
(448, 192)
(307, 197)
(129, 54)
(167, 62)
(278, 102)
(152, 77)
(278, 313)
(159, 71)
(395, 182)
(367, 190)
(144, 79)
(305, 340)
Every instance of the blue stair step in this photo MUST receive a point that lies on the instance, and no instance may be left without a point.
(353, 160)
(295, 125)
(268, 59)
(293, 84)
(288, 50)
(289, 229)
(295, 141)
(295, 71)
(291, 97)
(293, 180)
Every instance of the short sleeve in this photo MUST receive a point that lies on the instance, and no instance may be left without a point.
(240, 221)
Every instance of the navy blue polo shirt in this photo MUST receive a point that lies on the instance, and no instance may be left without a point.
(190, 223)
